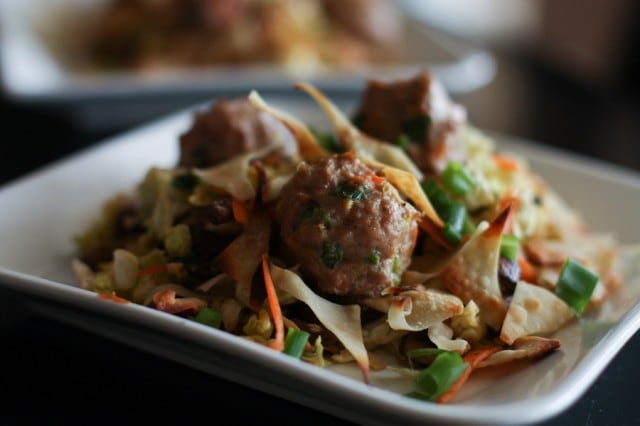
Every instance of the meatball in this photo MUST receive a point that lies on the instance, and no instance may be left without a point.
(346, 226)
(230, 128)
(418, 110)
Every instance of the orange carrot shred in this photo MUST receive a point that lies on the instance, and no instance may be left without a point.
(434, 232)
(274, 305)
(473, 358)
(528, 272)
(112, 297)
(505, 163)
(240, 210)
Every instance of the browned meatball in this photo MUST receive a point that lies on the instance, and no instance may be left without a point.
(230, 128)
(419, 111)
(347, 227)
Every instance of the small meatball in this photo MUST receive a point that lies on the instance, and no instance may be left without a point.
(347, 227)
(230, 128)
(418, 110)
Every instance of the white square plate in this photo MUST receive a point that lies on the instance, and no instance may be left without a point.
(42, 211)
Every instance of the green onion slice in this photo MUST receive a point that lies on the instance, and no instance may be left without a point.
(436, 379)
(209, 316)
(509, 246)
(295, 341)
(457, 179)
(575, 284)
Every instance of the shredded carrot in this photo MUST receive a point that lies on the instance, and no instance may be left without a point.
(112, 297)
(240, 210)
(377, 180)
(506, 163)
(528, 272)
(473, 358)
(153, 269)
(434, 231)
(274, 305)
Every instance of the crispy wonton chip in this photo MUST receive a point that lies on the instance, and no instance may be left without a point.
(472, 274)
(533, 310)
(418, 310)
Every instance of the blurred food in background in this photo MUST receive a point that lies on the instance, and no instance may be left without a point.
(298, 34)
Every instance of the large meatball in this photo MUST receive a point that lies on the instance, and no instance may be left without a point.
(229, 128)
(346, 226)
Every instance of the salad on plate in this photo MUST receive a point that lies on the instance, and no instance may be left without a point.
(401, 239)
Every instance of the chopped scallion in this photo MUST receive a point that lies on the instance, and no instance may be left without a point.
(295, 342)
(209, 316)
(575, 284)
(436, 379)
(509, 246)
(457, 179)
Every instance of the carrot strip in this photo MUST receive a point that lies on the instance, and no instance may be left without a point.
(506, 163)
(240, 210)
(473, 358)
(434, 232)
(112, 297)
(274, 305)
(528, 272)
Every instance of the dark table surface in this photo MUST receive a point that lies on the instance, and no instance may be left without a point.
(58, 374)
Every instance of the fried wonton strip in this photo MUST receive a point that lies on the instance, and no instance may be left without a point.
(241, 258)
(472, 273)
(418, 310)
(308, 146)
(352, 139)
(441, 335)
(533, 310)
(527, 347)
(233, 176)
(342, 320)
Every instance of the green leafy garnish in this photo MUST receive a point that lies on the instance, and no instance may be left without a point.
(509, 246)
(351, 191)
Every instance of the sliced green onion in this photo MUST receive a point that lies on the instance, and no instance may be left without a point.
(457, 179)
(209, 316)
(454, 214)
(575, 284)
(374, 257)
(295, 341)
(454, 222)
(331, 254)
(436, 379)
(353, 192)
(509, 246)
